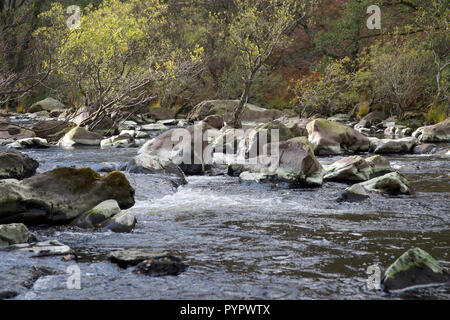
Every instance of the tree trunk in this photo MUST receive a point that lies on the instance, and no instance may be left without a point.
(240, 108)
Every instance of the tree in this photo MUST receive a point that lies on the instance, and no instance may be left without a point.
(119, 58)
(259, 29)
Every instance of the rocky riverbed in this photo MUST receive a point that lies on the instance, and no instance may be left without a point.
(239, 240)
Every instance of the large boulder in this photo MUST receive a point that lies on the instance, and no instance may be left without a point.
(355, 168)
(437, 133)
(16, 165)
(48, 104)
(296, 165)
(383, 146)
(225, 108)
(79, 136)
(167, 149)
(328, 137)
(415, 267)
(61, 195)
(392, 183)
(51, 128)
(13, 233)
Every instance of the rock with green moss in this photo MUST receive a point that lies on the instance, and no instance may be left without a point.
(61, 195)
(415, 267)
(13, 233)
(15, 165)
(392, 183)
(353, 168)
(328, 137)
(436, 133)
(290, 162)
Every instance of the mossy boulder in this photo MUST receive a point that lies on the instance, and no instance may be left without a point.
(61, 195)
(15, 165)
(392, 183)
(295, 165)
(436, 133)
(415, 267)
(328, 137)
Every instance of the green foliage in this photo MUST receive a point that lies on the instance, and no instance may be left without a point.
(437, 114)
(119, 55)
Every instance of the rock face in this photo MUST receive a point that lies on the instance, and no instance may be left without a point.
(437, 133)
(60, 195)
(225, 109)
(80, 136)
(385, 146)
(355, 168)
(392, 183)
(415, 267)
(48, 104)
(297, 165)
(328, 137)
(15, 165)
(29, 143)
(13, 233)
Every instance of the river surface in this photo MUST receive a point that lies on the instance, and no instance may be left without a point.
(247, 242)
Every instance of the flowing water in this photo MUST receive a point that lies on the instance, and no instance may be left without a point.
(247, 242)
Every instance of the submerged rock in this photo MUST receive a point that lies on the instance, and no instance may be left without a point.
(150, 262)
(329, 137)
(13, 233)
(42, 249)
(161, 266)
(437, 133)
(60, 195)
(15, 165)
(415, 267)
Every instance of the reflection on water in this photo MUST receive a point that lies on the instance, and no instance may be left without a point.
(250, 241)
